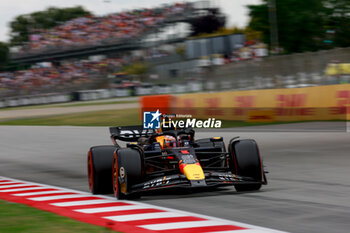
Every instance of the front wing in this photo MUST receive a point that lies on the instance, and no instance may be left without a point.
(212, 179)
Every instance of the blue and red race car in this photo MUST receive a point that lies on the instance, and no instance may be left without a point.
(169, 159)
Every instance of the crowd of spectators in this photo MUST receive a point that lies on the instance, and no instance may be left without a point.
(251, 50)
(83, 31)
(78, 74)
(93, 30)
(51, 78)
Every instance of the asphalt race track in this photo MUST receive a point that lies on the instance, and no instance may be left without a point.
(309, 179)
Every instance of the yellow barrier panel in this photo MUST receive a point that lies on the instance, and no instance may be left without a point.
(261, 116)
(338, 69)
(311, 103)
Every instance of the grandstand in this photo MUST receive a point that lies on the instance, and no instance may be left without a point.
(113, 33)
(81, 53)
(48, 78)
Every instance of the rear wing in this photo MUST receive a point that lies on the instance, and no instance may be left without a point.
(130, 133)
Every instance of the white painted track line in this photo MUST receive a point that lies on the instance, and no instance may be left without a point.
(39, 193)
(179, 225)
(133, 217)
(110, 209)
(7, 182)
(14, 186)
(128, 205)
(79, 203)
(22, 189)
(57, 197)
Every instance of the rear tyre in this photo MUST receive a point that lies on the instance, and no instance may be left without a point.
(99, 168)
(127, 171)
(246, 161)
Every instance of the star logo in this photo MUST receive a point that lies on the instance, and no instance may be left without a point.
(156, 115)
(151, 120)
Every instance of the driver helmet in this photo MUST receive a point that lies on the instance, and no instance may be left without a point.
(166, 141)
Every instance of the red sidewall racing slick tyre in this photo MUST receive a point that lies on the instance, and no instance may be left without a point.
(246, 161)
(100, 160)
(128, 170)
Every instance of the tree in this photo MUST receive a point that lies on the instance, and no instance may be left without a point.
(300, 23)
(4, 54)
(338, 21)
(138, 69)
(23, 25)
(251, 34)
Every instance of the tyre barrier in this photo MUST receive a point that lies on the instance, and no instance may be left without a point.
(169, 89)
(34, 100)
(98, 94)
(88, 95)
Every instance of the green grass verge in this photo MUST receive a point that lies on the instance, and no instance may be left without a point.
(95, 103)
(76, 104)
(121, 117)
(21, 218)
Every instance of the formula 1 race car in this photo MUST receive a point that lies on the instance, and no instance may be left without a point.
(170, 159)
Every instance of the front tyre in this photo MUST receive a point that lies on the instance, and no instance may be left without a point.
(246, 162)
(127, 171)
